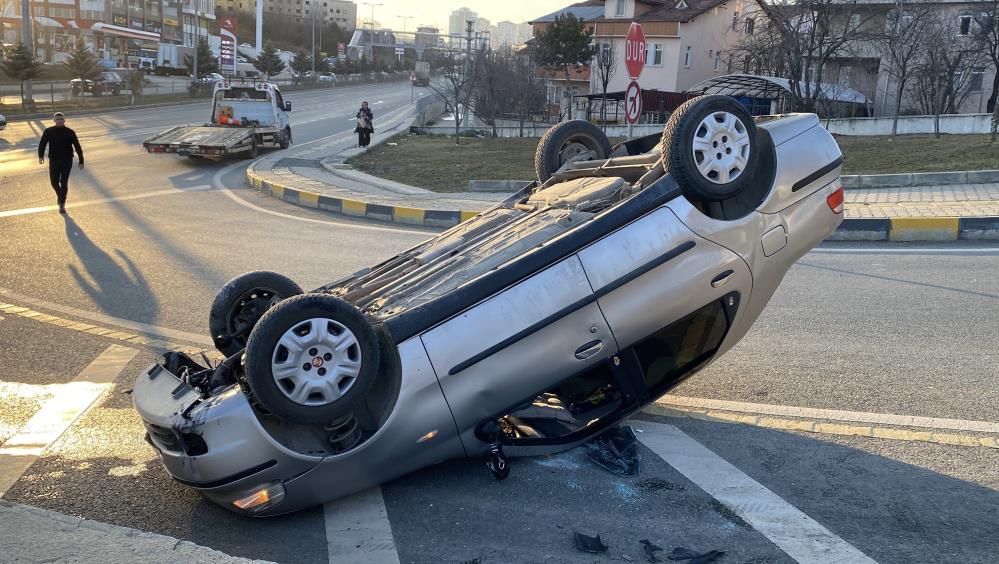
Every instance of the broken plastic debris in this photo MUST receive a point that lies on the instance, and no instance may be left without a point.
(587, 543)
(615, 451)
(650, 550)
(692, 557)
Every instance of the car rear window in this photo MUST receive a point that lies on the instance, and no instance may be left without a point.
(245, 94)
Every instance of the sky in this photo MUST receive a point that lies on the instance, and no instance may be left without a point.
(436, 12)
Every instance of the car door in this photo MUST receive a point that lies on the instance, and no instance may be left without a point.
(660, 286)
(512, 346)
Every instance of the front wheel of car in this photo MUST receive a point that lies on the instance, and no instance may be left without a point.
(710, 147)
(285, 141)
(312, 359)
(241, 303)
(566, 142)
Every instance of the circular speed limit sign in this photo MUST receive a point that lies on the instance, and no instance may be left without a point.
(633, 102)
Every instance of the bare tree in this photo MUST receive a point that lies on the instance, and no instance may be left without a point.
(527, 91)
(943, 74)
(801, 37)
(902, 45)
(493, 85)
(605, 65)
(987, 35)
(456, 87)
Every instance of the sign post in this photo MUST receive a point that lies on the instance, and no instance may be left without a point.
(634, 60)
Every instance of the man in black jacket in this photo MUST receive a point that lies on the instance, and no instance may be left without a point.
(61, 141)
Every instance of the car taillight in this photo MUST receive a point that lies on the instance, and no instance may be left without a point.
(835, 200)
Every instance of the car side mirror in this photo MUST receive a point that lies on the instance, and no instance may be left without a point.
(287, 106)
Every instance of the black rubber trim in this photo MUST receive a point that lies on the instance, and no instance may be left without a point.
(722, 276)
(522, 334)
(654, 263)
(816, 175)
(228, 479)
(417, 320)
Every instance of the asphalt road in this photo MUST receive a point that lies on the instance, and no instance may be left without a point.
(898, 330)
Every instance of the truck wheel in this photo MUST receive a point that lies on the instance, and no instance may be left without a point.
(285, 138)
(710, 148)
(241, 303)
(312, 359)
(566, 142)
(254, 148)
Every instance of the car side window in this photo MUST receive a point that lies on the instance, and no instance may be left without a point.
(279, 98)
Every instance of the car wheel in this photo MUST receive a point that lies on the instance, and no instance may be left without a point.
(566, 142)
(312, 359)
(254, 148)
(97, 91)
(285, 138)
(709, 146)
(241, 303)
(115, 92)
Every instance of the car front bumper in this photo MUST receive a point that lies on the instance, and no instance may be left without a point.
(216, 445)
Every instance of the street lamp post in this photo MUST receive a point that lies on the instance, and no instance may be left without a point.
(404, 19)
(371, 22)
(27, 40)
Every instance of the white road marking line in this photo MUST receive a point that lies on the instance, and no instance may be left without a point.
(85, 203)
(163, 333)
(832, 414)
(909, 251)
(358, 530)
(46, 426)
(797, 534)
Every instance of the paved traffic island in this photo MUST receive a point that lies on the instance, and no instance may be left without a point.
(896, 206)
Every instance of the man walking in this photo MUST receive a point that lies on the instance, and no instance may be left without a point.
(61, 142)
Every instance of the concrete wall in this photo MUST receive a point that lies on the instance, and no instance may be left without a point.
(954, 124)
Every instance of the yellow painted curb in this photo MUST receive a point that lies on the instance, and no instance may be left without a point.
(353, 207)
(924, 229)
(309, 198)
(408, 215)
(277, 191)
(466, 215)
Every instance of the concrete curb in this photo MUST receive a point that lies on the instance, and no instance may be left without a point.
(38, 535)
(910, 179)
(918, 229)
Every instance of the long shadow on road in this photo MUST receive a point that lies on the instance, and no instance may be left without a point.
(119, 289)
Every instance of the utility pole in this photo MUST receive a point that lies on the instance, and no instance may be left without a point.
(313, 11)
(404, 20)
(27, 39)
(260, 26)
(197, 36)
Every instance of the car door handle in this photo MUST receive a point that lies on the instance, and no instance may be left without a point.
(589, 349)
(721, 279)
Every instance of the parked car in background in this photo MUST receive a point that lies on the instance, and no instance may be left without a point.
(3, 122)
(212, 77)
(107, 81)
(328, 77)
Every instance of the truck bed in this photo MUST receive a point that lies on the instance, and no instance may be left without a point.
(215, 136)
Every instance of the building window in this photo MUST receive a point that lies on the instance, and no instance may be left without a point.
(964, 25)
(844, 77)
(687, 55)
(735, 21)
(854, 21)
(619, 8)
(977, 77)
(654, 55)
(750, 25)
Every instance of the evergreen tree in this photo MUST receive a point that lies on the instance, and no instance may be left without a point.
(269, 62)
(82, 63)
(207, 61)
(21, 65)
(565, 44)
(302, 62)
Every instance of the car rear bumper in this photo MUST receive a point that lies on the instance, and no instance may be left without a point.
(216, 445)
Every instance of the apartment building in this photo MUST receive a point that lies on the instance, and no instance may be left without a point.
(343, 13)
(122, 33)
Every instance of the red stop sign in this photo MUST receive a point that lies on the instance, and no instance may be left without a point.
(634, 50)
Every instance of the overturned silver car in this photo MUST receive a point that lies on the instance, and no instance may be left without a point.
(530, 328)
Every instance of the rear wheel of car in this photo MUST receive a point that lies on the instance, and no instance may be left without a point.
(312, 359)
(710, 147)
(241, 303)
(566, 142)
(254, 147)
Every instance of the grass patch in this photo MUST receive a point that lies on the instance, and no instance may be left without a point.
(917, 153)
(436, 163)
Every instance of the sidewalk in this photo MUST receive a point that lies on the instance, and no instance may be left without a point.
(317, 178)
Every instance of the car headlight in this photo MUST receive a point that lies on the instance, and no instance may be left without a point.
(261, 499)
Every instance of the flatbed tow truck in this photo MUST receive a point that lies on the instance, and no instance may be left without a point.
(246, 116)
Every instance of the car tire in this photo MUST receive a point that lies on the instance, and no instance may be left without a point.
(115, 91)
(241, 303)
(312, 359)
(285, 138)
(566, 141)
(710, 148)
(254, 148)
